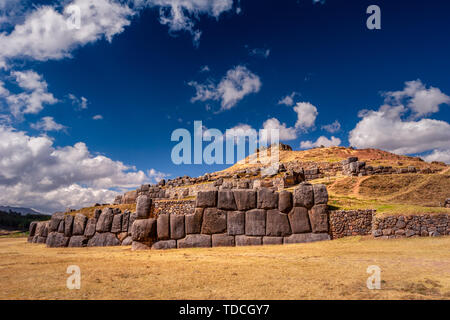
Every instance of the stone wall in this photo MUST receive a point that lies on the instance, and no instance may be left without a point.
(173, 207)
(411, 225)
(240, 217)
(352, 167)
(344, 223)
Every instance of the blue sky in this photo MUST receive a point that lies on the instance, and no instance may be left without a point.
(139, 67)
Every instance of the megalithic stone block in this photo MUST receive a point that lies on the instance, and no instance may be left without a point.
(304, 195)
(143, 207)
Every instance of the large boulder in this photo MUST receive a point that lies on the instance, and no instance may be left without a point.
(235, 222)
(105, 239)
(144, 230)
(195, 241)
(194, 221)
(129, 197)
(117, 223)
(318, 216)
(320, 194)
(133, 217)
(277, 224)
(61, 227)
(78, 241)
(206, 199)
(32, 231)
(56, 240)
(54, 221)
(214, 221)
(89, 231)
(299, 220)
(162, 227)
(225, 200)
(272, 240)
(222, 240)
(79, 223)
(137, 246)
(125, 221)
(165, 244)
(255, 222)
(306, 237)
(243, 240)
(304, 195)
(68, 225)
(245, 199)
(127, 241)
(285, 201)
(143, 206)
(267, 199)
(42, 229)
(105, 221)
(177, 228)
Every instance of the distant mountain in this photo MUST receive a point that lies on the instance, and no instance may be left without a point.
(22, 211)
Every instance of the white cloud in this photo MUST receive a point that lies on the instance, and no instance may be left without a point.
(419, 99)
(181, 15)
(35, 94)
(97, 117)
(47, 124)
(389, 127)
(79, 103)
(385, 129)
(289, 99)
(285, 133)
(204, 69)
(332, 127)
(234, 86)
(156, 175)
(438, 155)
(306, 115)
(321, 141)
(35, 173)
(45, 33)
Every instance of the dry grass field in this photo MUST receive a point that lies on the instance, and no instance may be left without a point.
(416, 268)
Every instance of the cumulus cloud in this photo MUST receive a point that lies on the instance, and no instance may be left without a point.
(232, 88)
(285, 133)
(181, 15)
(46, 34)
(321, 141)
(438, 155)
(420, 100)
(391, 129)
(97, 117)
(289, 99)
(32, 99)
(156, 175)
(47, 124)
(35, 173)
(332, 127)
(306, 115)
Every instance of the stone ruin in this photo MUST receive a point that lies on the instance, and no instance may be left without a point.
(352, 167)
(216, 218)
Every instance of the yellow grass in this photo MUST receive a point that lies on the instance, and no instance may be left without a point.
(416, 268)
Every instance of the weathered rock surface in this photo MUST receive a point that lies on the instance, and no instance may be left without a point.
(285, 201)
(177, 228)
(255, 222)
(195, 241)
(105, 221)
(320, 194)
(206, 199)
(245, 199)
(194, 221)
(318, 217)
(272, 240)
(214, 221)
(78, 241)
(79, 223)
(56, 240)
(163, 227)
(105, 239)
(267, 199)
(143, 230)
(165, 244)
(277, 224)
(235, 222)
(222, 240)
(68, 225)
(243, 240)
(226, 200)
(116, 226)
(143, 207)
(299, 220)
(304, 195)
(306, 237)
